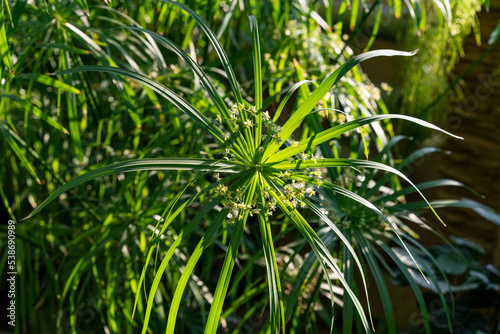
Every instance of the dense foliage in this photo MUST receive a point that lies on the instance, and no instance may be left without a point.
(190, 167)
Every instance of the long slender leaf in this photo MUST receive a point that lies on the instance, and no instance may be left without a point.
(48, 81)
(4, 44)
(227, 267)
(37, 112)
(308, 105)
(217, 46)
(141, 164)
(12, 139)
(379, 280)
(336, 131)
(275, 292)
(175, 99)
(321, 252)
(257, 76)
(205, 241)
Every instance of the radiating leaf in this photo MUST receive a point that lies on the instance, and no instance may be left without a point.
(163, 91)
(141, 164)
(308, 105)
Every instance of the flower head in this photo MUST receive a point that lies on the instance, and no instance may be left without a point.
(248, 123)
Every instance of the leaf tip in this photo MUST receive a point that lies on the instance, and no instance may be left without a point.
(27, 217)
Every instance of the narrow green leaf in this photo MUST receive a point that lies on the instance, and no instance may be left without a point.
(336, 131)
(409, 278)
(163, 91)
(227, 267)
(48, 81)
(83, 5)
(320, 249)
(205, 241)
(9, 14)
(495, 35)
(275, 302)
(348, 269)
(479, 208)
(370, 206)
(4, 46)
(71, 105)
(328, 239)
(346, 244)
(289, 93)
(6, 201)
(421, 186)
(397, 8)
(227, 18)
(217, 46)
(205, 81)
(379, 280)
(257, 66)
(376, 25)
(308, 105)
(354, 14)
(141, 164)
(406, 161)
(169, 217)
(436, 284)
(37, 112)
(356, 163)
(12, 139)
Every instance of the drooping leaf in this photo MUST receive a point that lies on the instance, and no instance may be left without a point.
(141, 164)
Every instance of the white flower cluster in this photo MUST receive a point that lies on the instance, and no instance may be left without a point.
(234, 200)
(273, 129)
(294, 194)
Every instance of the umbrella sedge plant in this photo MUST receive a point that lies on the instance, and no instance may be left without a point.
(263, 170)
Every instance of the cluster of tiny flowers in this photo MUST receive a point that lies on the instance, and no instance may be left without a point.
(294, 194)
(233, 201)
(273, 129)
(234, 118)
(270, 201)
(316, 173)
(345, 179)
